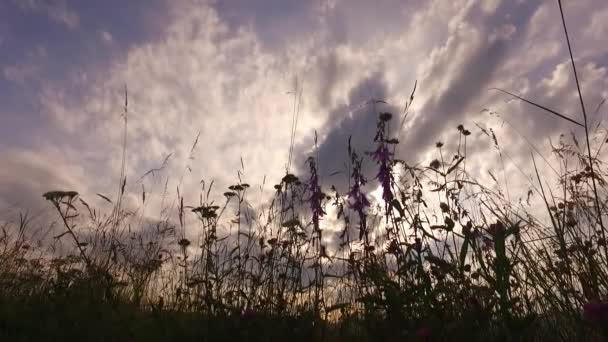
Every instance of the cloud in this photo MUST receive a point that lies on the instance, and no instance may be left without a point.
(224, 68)
(106, 37)
(27, 174)
(56, 10)
(20, 73)
(356, 118)
(201, 77)
(599, 24)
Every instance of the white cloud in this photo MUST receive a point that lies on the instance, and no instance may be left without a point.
(598, 28)
(490, 6)
(205, 76)
(27, 174)
(20, 73)
(106, 37)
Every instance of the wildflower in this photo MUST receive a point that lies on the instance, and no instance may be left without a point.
(382, 154)
(423, 333)
(595, 311)
(161, 302)
(418, 245)
(248, 313)
(393, 247)
(488, 244)
(386, 117)
(289, 178)
(236, 187)
(58, 196)
(316, 195)
(291, 223)
(206, 211)
(323, 252)
(356, 198)
(385, 177)
(383, 157)
(435, 164)
(497, 229)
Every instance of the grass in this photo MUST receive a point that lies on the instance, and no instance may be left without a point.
(439, 257)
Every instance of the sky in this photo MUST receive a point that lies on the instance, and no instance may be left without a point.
(226, 71)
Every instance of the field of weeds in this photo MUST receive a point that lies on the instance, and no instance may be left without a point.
(438, 256)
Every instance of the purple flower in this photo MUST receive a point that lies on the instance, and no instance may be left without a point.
(385, 177)
(382, 154)
(356, 197)
(383, 157)
(316, 195)
(488, 244)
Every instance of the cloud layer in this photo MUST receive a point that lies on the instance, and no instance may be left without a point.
(226, 71)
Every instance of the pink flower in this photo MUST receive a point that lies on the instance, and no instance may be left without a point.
(248, 313)
(595, 311)
(423, 333)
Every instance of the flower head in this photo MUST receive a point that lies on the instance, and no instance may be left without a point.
(316, 195)
(595, 311)
(423, 333)
(248, 313)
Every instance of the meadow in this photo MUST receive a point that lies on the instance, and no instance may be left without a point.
(439, 256)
